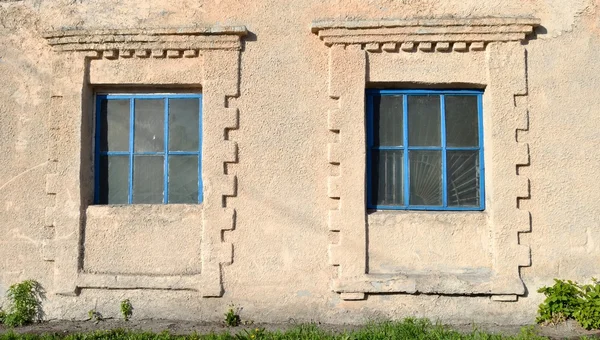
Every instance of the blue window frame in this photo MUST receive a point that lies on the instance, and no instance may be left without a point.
(425, 150)
(148, 149)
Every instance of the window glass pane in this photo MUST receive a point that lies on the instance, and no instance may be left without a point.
(149, 125)
(463, 178)
(425, 177)
(184, 124)
(424, 128)
(462, 121)
(114, 125)
(148, 179)
(387, 120)
(386, 177)
(183, 179)
(114, 179)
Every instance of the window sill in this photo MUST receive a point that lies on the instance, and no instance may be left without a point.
(99, 210)
(449, 213)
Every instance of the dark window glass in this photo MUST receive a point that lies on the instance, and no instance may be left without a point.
(149, 125)
(462, 121)
(114, 179)
(183, 179)
(425, 177)
(463, 178)
(184, 124)
(148, 179)
(424, 121)
(387, 175)
(114, 125)
(387, 119)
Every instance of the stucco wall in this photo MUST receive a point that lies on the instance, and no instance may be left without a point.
(277, 179)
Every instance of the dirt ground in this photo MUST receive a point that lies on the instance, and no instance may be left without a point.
(568, 330)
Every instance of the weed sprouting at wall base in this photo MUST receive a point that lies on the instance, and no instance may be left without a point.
(24, 304)
(126, 309)
(232, 317)
(560, 303)
(570, 300)
(588, 311)
(95, 316)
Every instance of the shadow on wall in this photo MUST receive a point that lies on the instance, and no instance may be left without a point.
(250, 37)
(539, 30)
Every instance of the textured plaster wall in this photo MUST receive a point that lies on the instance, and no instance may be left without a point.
(281, 266)
(146, 242)
(400, 242)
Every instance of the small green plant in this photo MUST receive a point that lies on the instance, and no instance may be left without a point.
(95, 316)
(588, 311)
(232, 317)
(560, 303)
(528, 333)
(126, 309)
(570, 300)
(257, 333)
(24, 304)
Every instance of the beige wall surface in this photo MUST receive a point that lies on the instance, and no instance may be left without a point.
(283, 231)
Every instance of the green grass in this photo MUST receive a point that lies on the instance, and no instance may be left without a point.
(421, 329)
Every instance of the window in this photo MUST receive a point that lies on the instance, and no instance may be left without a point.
(424, 150)
(148, 149)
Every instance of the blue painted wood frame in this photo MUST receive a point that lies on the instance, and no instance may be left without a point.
(370, 95)
(166, 153)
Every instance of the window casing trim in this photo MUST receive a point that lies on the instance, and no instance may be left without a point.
(499, 67)
(370, 94)
(207, 58)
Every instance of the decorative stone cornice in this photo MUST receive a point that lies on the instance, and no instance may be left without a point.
(143, 42)
(424, 34)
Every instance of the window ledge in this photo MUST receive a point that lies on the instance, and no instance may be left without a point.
(449, 213)
(103, 210)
